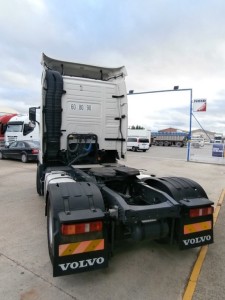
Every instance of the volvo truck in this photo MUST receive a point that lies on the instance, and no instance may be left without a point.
(93, 201)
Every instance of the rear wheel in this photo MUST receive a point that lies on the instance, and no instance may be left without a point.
(50, 230)
(163, 241)
(24, 158)
(178, 144)
(1, 155)
(39, 183)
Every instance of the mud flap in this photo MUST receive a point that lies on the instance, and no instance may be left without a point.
(190, 231)
(197, 230)
(86, 252)
(201, 233)
(80, 263)
(80, 206)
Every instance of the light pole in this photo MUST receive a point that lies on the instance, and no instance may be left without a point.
(175, 89)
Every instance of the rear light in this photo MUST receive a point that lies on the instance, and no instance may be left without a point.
(199, 212)
(35, 151)
(79, 228)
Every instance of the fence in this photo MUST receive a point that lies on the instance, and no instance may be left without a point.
(209, 153)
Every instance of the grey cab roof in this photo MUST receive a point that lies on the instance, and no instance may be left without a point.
(81, 70)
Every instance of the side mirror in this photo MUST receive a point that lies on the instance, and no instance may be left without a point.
(32, 114)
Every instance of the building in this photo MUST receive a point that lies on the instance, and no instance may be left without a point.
(208, 136)
(170, 129)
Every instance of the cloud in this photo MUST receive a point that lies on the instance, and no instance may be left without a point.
(37, 6)
(162, 43)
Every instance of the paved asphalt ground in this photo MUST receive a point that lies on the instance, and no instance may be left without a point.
(211, 281)
(207, 280)
(137, 271)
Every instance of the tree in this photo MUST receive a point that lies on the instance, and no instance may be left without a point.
(136, 127)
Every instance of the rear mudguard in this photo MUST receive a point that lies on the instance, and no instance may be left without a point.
(178, 188)
(76, 202)
(189, 231)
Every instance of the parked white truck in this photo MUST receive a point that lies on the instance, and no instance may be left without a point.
(92, 201)
(20, 128)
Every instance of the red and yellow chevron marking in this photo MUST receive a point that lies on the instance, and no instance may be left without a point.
(197, 227)
(81, 247)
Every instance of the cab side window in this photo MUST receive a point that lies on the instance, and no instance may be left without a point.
(27, 129)
(132, 140)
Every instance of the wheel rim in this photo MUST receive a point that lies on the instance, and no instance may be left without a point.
(1, 155)
(24, 158)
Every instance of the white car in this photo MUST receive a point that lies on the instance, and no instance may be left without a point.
(137, 143)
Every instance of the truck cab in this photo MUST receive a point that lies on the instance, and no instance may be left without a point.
(21, 128)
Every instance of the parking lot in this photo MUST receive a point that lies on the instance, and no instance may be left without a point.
(145, 270)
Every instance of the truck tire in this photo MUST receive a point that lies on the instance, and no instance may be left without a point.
(39, 183)
(178, 144)
(24, 158)
(1, 155)
(163, 241)
(50, 230)
(134, 149)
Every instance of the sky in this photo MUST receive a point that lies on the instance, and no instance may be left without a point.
(162, 44)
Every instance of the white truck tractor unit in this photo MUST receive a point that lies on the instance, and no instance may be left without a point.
(20, 128)
(92, 201)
